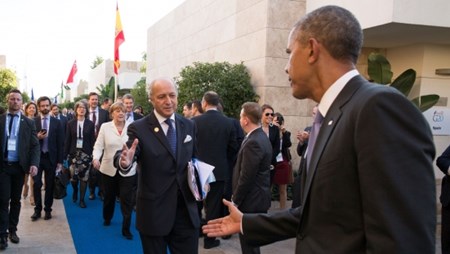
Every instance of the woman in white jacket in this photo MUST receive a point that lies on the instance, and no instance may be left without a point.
(111, 137)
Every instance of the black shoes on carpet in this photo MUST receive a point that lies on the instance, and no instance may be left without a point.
(48, 216)
(82, 204)
(127, 234)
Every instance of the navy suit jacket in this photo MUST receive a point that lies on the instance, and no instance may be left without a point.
(370, 185)
(55, 139)
(443, 163)
(29, 152)
(216, 142)
(162, 175)
(251, 174)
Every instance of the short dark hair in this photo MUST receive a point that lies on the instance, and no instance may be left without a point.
(92, 94)
(188, 105)
(266, 106)
(14, 90)
(335, 28)
(198, 105)
(54, 105)
(43, 98)
(252, 111)
(211, 98)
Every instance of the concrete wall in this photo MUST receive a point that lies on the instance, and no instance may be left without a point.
(373, 13)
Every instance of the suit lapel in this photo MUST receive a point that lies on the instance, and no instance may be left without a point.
(329, 123)
(181, 134)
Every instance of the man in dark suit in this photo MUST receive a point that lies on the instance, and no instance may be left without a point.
(128, 101)
(55, 111)
(251, 174)
(443, 163)
(98, 116)
(360, 192)
(51, 139)
(163, 144)
(216, 145)
(20, 155)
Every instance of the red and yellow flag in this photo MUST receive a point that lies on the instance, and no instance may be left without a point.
(118, 40)
(72, 73)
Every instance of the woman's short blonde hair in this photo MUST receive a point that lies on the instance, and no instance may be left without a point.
(114, 106)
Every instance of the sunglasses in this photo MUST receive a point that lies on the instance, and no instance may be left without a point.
(269, 114)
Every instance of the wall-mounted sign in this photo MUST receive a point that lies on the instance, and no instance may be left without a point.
(439, 120)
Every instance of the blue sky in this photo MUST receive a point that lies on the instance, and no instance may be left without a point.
(41, 39)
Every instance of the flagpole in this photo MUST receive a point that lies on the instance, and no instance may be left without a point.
(115, 86)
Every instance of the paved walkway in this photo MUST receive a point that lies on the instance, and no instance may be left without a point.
(54, 236)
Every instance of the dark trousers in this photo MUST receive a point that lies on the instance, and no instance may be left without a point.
(49, 168)
(214, 204)
(125, 188)
(183, 238)
(445, 230)
(95, 179)
(247, 249)
(11, 183)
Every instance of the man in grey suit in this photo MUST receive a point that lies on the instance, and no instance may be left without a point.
(19, 155)
(216, 145)
(369, 184)
(162, 143)
(251, 174)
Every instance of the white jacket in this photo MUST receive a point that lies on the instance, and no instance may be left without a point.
(109, 141)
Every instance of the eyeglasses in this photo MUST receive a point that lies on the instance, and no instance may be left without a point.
(269, 114)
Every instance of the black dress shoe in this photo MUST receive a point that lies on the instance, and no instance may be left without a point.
(75, 197)
(82, 204)
(13, 237)
(211, 244)
(3, 242)
(35, 216)
(127, 234)
(48, 216)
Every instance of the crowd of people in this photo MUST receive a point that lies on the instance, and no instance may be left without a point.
(356, 191)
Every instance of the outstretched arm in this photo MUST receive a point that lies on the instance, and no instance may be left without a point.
(227, 225)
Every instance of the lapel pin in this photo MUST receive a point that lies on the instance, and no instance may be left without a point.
(156, 129)
(330, 122)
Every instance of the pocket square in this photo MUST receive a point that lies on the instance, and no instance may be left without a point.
(187, 139)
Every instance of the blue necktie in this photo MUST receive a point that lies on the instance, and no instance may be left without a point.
(171, 136)
(312, 137)
(45, 141)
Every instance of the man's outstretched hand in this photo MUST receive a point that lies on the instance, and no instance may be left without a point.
(126, 158)
(227, 225)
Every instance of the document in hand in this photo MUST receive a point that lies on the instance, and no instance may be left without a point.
(200, 174)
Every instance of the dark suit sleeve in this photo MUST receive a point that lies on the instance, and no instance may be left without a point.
(443, 161)
(35, 148)
(262, 229)
(394, 152)
(60, 141)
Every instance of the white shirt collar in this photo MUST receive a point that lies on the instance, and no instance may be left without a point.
(330, 95)
(161, 118)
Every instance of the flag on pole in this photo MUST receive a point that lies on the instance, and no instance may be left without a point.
(32, 95)
(72, 73)
(62, 90)
(118, 40)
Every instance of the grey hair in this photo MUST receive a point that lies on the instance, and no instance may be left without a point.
(169, 80)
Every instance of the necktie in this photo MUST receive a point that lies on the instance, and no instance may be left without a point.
(94, 117)
(45, 141)
(11, 120)
(313, 136)
(171, 136)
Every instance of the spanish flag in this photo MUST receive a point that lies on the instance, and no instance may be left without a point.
(118, 40)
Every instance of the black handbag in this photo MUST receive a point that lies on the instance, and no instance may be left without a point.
(60, 186)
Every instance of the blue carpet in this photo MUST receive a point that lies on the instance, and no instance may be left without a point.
(89, 234)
